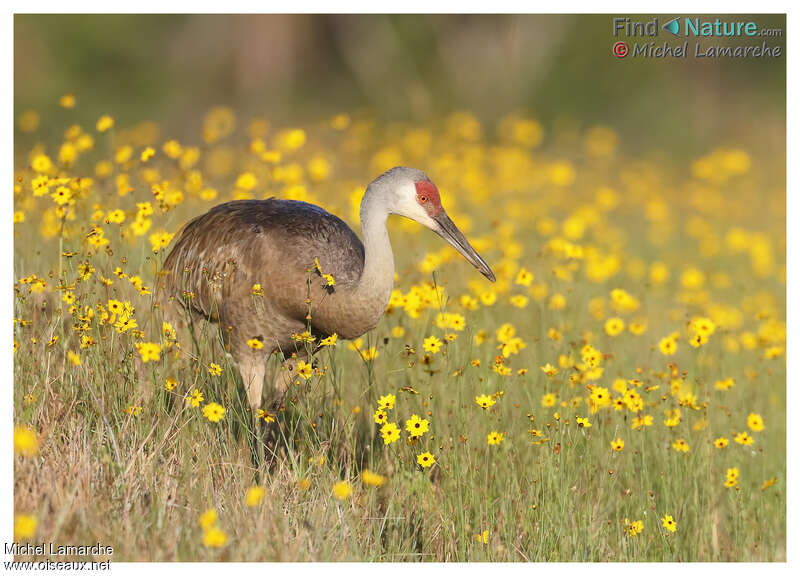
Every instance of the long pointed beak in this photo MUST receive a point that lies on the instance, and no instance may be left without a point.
(448, 230)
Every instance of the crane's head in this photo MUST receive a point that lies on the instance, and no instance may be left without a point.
(410, 193)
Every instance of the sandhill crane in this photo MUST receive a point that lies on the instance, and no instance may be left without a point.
(221, 255)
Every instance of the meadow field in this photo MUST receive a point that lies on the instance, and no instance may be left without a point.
(619, 394)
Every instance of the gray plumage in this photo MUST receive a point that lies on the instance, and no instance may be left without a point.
(219, 256)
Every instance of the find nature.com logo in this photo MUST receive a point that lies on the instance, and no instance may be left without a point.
(692, 27)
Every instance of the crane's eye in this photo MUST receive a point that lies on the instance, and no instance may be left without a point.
(423, 199)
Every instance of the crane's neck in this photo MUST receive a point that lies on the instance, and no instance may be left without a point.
(377, 278)
(355, 309)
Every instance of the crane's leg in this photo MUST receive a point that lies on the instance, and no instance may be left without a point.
(285, 376)
(252, 362)
(252, 367)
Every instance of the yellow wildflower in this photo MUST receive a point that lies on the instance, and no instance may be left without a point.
(342, 490)
(214, 412)
(26, 441)
(494, 438)
(254, 496)
(426, 460)
(105, 123)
